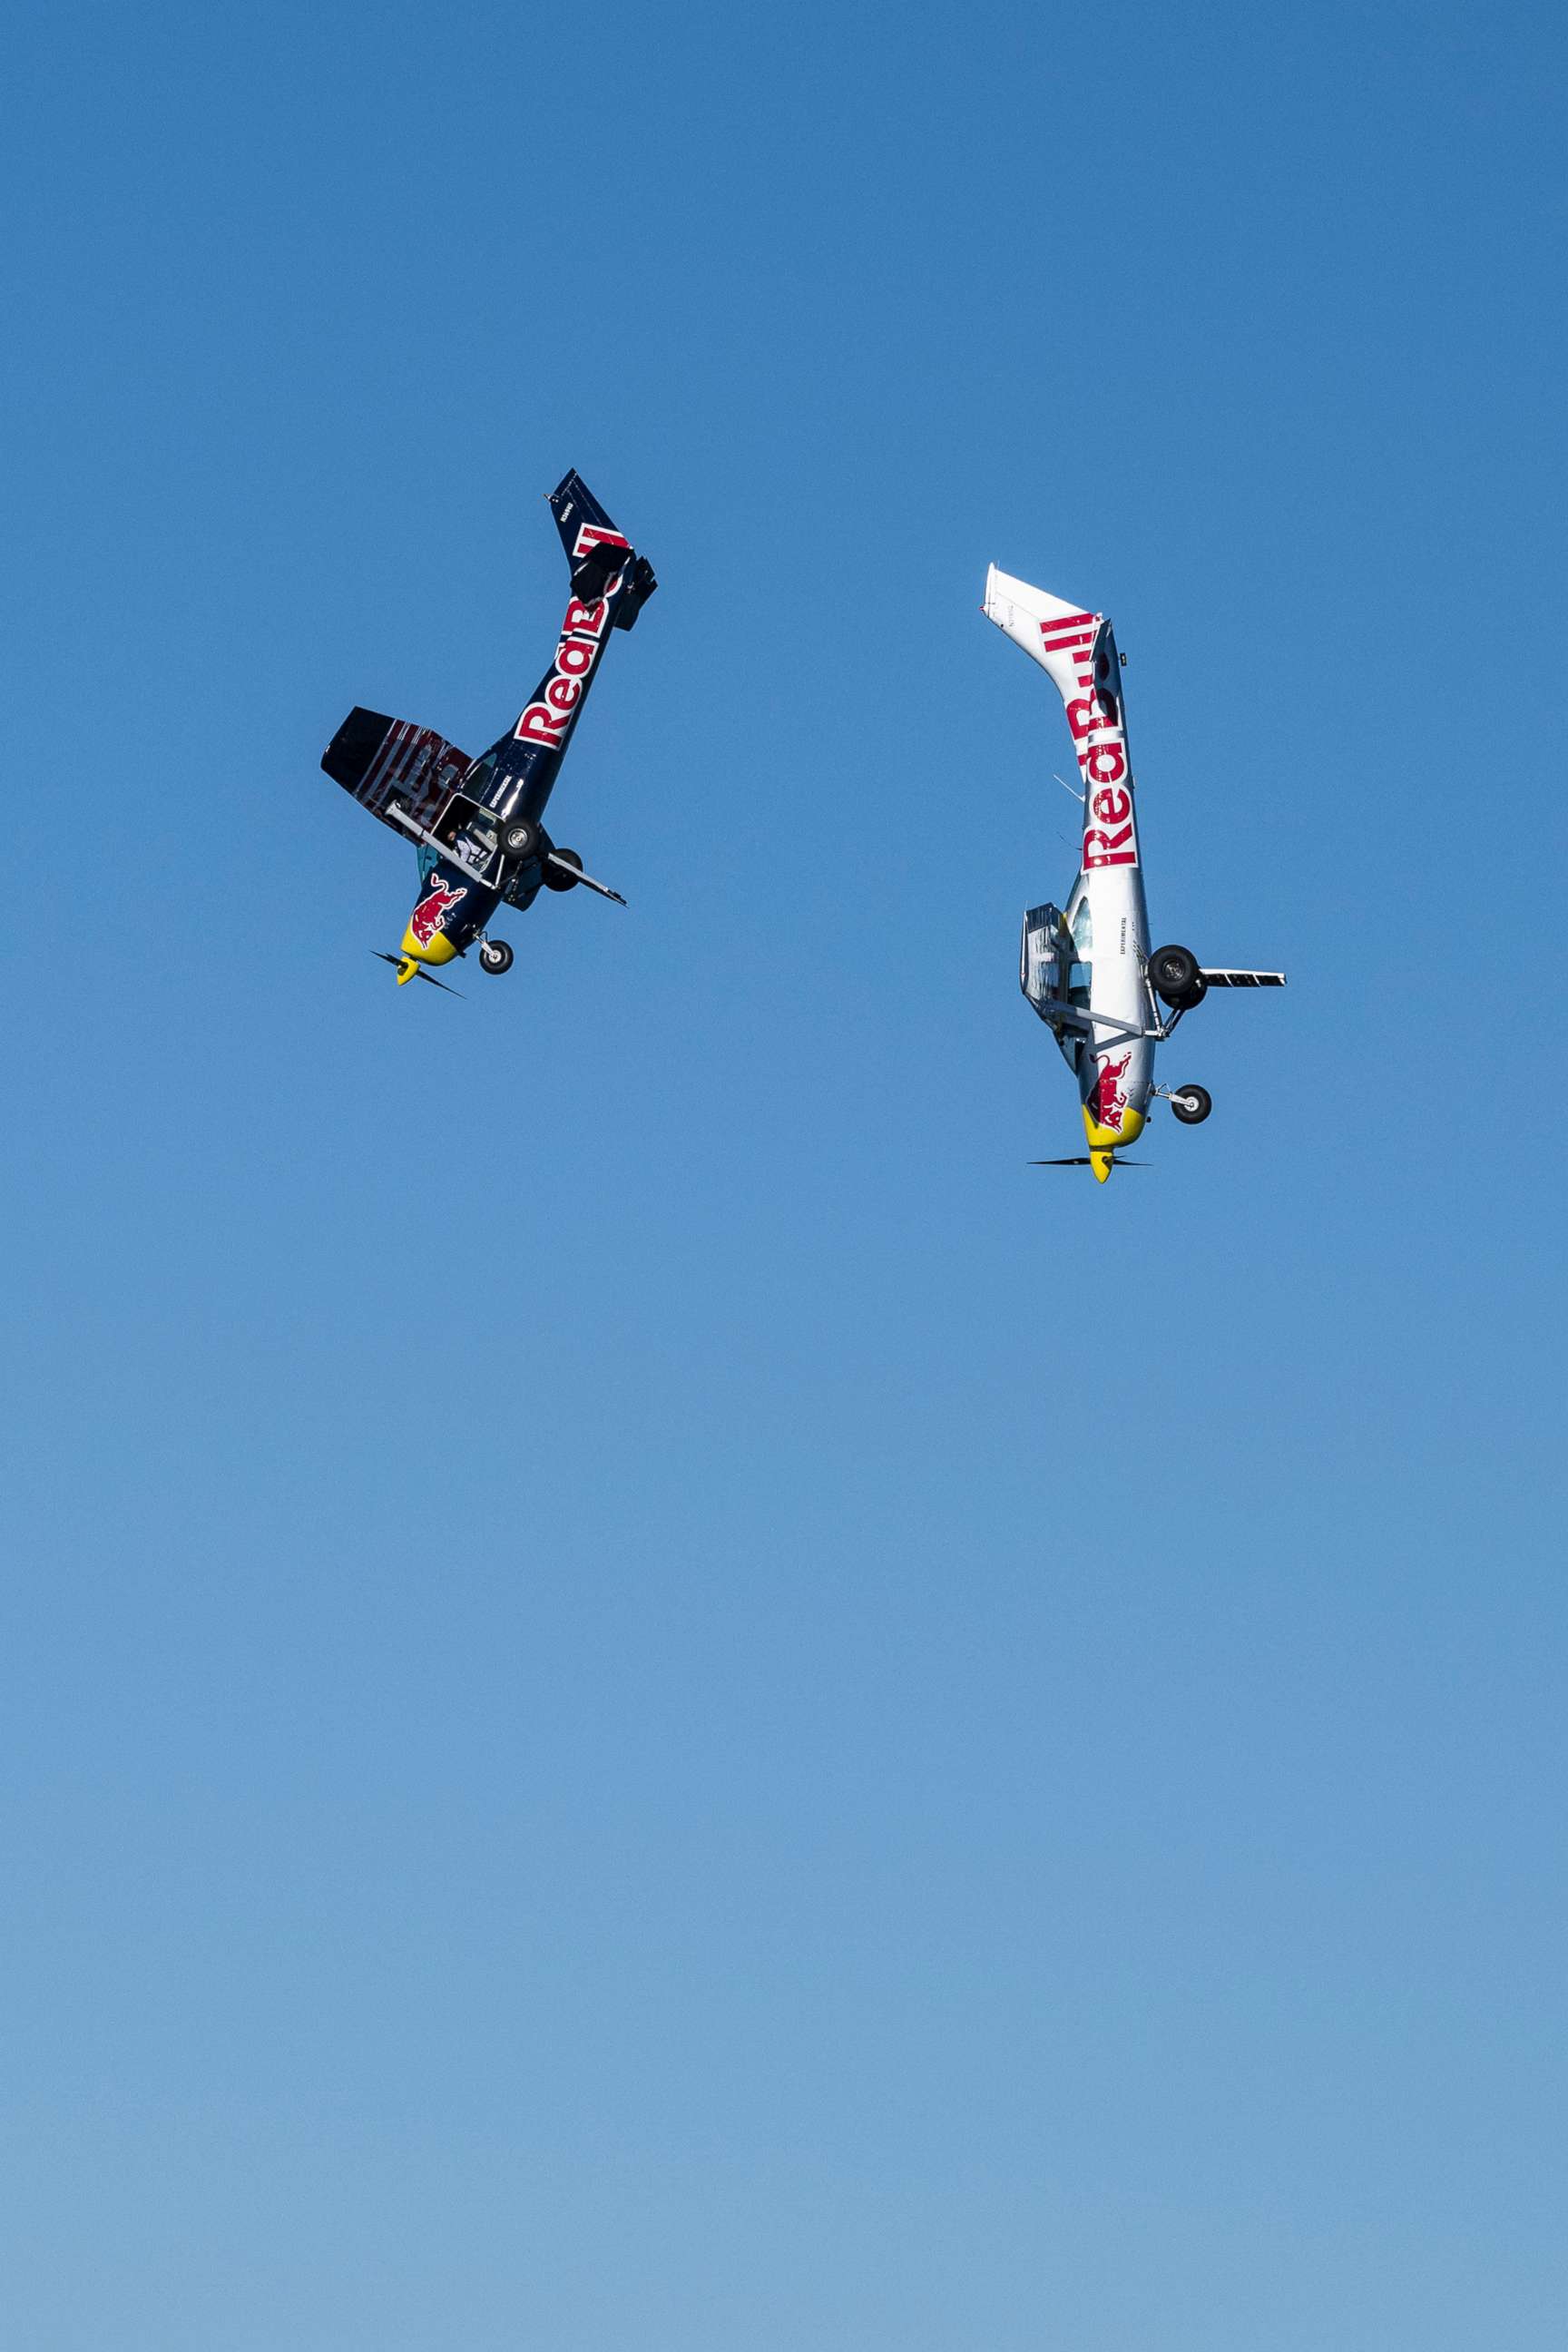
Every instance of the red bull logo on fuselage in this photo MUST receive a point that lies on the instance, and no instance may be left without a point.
(430, 915)
(1107, 1102)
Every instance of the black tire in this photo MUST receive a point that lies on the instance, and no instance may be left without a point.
(520, 840)
(1192, 1105)
(554, 879)
(1175, 975)
(495, 956)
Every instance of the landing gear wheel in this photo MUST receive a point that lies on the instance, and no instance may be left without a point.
(554, 879)
(520, 841)
(494, 956)
(1192, 1105)
(1176, 976)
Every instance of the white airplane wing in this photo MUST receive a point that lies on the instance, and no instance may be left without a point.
(1229, 978)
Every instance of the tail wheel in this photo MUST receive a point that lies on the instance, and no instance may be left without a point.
(520, 840)
(1176, 976)
(554, 879)
(1192, 1105)
(495, 956)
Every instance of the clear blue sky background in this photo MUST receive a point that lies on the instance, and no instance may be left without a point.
(652, 1696)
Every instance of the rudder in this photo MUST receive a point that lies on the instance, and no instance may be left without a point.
(1058, 636)
(596, 550)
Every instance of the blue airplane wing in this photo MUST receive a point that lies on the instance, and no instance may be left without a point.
(381, 760)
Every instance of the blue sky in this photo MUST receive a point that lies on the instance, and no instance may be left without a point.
(651, 1695)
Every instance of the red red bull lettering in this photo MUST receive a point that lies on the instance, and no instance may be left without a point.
(1094, 715)
(430, 915)
(549, 715)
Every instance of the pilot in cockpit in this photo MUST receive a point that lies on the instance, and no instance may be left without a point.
(480, 845)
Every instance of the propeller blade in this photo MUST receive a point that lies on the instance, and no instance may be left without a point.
(396, 962)
(1082, 1162)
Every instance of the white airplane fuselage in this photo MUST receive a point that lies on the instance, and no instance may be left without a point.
(1115, 1066)
(1088, 969)
(1104, 1023)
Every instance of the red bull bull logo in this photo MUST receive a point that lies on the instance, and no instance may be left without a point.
(1106, 1101)
(430, 915)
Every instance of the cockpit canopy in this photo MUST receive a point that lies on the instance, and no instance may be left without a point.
(1053, 971)
(469, 833)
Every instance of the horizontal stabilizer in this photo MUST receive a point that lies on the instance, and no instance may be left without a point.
(1228, 978)
(598, 568)
(638, 589)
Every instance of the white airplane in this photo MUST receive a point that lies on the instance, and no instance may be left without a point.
(1086, 968)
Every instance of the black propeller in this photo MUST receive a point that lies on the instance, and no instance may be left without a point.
(419, 971)
(1083, 1161)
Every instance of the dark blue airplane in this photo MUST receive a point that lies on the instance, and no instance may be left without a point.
(478, 824)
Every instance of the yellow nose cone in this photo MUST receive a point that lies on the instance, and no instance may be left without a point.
(438, 949)
(1111, 1139)
(1104, 1141)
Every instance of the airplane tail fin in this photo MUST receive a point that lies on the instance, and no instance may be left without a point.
(1060, 636)
(596, 550)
